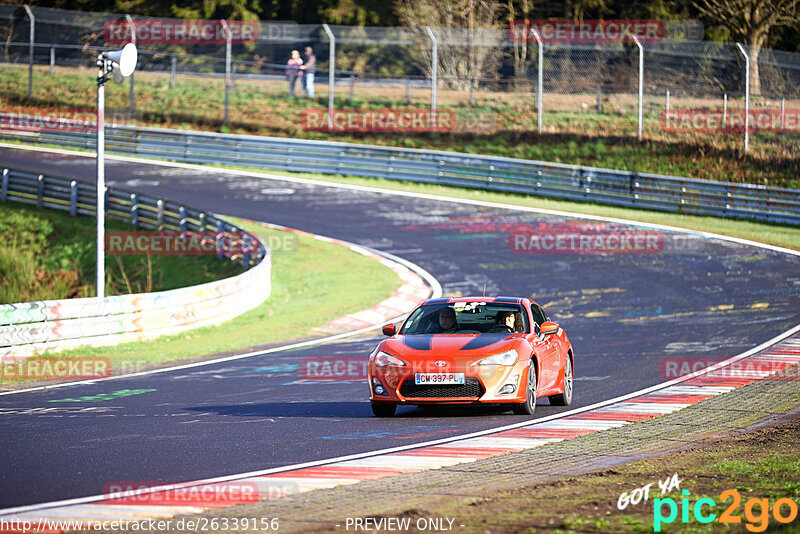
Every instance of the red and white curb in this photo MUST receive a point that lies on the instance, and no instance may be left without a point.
(765, 361)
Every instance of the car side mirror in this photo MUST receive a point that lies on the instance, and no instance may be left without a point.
(389, 329)
(548, 327)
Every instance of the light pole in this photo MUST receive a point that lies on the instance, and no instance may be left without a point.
(119, 64)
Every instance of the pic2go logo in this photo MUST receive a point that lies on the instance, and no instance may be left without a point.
(756, 511)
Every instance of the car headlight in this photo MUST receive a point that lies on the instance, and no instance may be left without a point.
(508, 357)
(382, 360)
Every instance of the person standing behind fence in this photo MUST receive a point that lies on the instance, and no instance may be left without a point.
(293, 71)
(310, 69)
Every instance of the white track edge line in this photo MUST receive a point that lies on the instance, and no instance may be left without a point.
(225, 478)
(239, 476)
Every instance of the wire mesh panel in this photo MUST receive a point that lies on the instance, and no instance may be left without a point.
(487, 78)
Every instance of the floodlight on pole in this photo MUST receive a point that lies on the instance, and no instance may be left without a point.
(118, 64)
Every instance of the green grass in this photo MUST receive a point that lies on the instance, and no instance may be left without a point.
(313, 283)
(48, 254)
(499, 124)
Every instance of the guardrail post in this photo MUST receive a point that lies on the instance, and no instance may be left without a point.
(783, 113)
(220, 239)
(133, 40)
(408, 91)
(40, 191)
(352, 87)
(434, 75)
(52, 60)
(30, 49)
(172, 71)
(746, 96)
(160, 215)
(641, 82)
(134, 210)
(182, 219)
(73, 198)
(4, 190)
(202, 224)
(248, 244)
(331, 73)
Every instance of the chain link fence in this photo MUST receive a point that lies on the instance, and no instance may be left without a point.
(486, 80)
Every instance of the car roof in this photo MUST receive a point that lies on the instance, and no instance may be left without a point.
(499, 300)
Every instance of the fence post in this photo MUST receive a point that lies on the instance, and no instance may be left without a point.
(30, 49)
(228, 38)
(667, 110)
(539, 78)
(408, 91)
(352, 87)
(783, 113)
(599, 99)
(641, 82)
(471, 91)
(434, 74)
(73, 198)
(331, 72)
(52, 60)
(724, 109)
(746, 96)
(4, 190)
(172, 72)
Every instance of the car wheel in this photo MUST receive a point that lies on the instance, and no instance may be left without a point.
(383, 410)
(564, 399)
(527, 407)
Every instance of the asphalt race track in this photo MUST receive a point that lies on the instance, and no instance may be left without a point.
(625, 313)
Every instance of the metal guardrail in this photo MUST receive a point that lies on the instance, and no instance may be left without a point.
(35, 327)
(491, 173)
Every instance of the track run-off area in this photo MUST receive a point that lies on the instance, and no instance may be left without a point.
(629, 317)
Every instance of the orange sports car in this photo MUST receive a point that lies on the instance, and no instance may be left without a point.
(472, 350)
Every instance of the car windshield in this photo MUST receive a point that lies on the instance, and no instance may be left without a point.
(466, 318)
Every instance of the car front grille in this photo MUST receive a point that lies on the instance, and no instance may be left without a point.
(471, 388)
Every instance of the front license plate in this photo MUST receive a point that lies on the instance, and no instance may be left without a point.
(439, 378)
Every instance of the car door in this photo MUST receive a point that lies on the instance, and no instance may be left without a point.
(547, 351)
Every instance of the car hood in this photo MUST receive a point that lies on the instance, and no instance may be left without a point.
(458, 345)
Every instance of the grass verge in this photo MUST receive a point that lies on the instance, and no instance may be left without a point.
(306, 271)
(48, 254)
(498, 124)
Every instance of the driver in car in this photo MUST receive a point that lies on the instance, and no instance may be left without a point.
(504, 322)
(447, 322)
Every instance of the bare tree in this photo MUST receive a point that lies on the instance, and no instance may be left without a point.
(472, 24)
(750, 21)
(520, 46)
